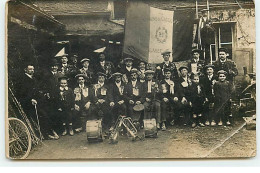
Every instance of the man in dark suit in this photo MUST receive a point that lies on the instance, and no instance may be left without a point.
(133, 96)
(86, 71)
(116, 97)
(104, 66)
(126, 69)
(196, 64)
(159, 74)
(208, 81)
(225, 64)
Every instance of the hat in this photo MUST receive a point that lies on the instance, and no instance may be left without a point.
(209, 66)
(117, 74)
(134, 70)
(196, 50)
(138, 108)
(62, 77)
(84, 59)
(182, 67)
(80, 75)
(222, 49)
(128, 58)
(222, 72)
(101, 74)
(149, 72)
(167, 51)
(54, 62)
(167, 69)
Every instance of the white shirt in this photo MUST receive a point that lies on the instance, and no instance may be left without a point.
(81, 86)
(210, 76)
(167, 63)
(101, 84)
(134, 83)
(128, 68)
(222, 60)
(65, 65)
(149, 86)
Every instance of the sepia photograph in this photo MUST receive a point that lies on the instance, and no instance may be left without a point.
(130, 79)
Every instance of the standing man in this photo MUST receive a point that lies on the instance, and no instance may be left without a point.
(142, 70)
(160, 69)
(225, 64)
(86, 71)
(104, 66)
(126, 69)
(65, 68)
(196, 64)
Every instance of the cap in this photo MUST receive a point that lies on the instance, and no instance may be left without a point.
(54, 62)
(222, 72)
(209, 66)
(62, 77)
(134, 70)
(222, 49)
(80, 75)
(101, 74)
(196, 50)
(117, 74)
(84, 59)
(128, 58)
(167, 70)
(183, 67)
(167, 51)
(149, 72)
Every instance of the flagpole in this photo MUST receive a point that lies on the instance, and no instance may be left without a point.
(197, 11)
(208, 8)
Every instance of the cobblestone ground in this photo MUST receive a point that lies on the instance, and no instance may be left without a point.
(175, 142)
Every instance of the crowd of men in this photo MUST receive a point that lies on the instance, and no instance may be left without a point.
(68, 95)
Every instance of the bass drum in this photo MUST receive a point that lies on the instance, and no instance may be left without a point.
(94, 130)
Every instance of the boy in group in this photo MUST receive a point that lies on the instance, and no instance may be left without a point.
(116, 97)
(222, 102)
(83, 100)
(65, 105)
(184, 84)
(133, 95)
(198, 100)
(208, 81)
(168, 96)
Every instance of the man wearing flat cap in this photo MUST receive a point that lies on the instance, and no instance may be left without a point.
(226, 64)
(133, 96)
(86, 70)
(159, 74)
(196, 64)
(126, 69)
(84, 99)
(102, 109)
(150, 99)
(116, 97)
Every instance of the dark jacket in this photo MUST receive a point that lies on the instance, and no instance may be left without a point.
(114, 94)
(159, 73)
(208, 86)
(128, 92)
(228, 66)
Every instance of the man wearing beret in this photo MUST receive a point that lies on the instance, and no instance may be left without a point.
(116, 97)
(196, 64)
(159, 74)
(84, 98)
(225, 64)
(86, 70)
(133, 96)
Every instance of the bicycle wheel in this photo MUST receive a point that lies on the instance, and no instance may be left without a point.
(19, 139)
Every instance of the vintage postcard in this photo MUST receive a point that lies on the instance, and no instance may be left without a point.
(123, 79)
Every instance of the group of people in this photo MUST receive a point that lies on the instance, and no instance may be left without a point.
(67, 96)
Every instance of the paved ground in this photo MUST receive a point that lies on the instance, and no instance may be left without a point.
(175, 142)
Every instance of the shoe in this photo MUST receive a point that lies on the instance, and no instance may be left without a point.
(201, 125)
(228, 123)
(78, 129)
(220, 123)
(172, 123)
(64, 132)
(194, 116)
(71, 131)
(193, 125)
(51, 137)
(213, 123)
(55, 135)
(207, 123)
(163, 127)
(158, 125)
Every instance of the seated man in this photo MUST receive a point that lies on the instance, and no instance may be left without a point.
(168, 96)
(133, 95)
(116, 97)
(83, 102)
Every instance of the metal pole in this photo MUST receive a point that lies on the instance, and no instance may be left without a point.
(208, 8)
(197, 10)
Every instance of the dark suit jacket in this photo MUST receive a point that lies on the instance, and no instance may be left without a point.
(184, 91)
(101, 95)
(228, 66)
(66, 101)
(82, 96)
(128, 92)
(159, 72)
(208, 86)
(154, 92)
(168, 95)
(114, 94)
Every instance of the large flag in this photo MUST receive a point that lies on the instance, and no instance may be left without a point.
(149, 31)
